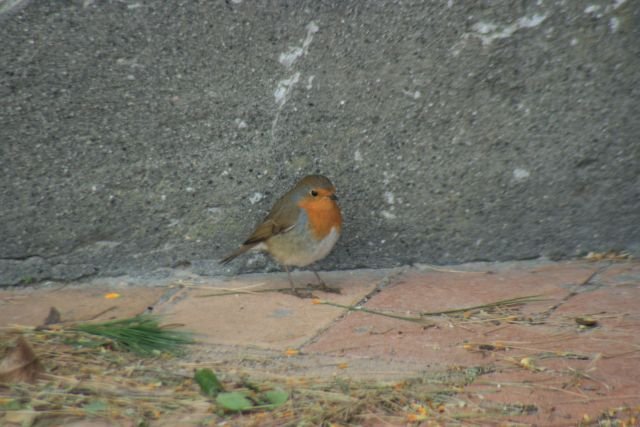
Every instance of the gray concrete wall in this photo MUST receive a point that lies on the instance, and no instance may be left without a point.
(141, 136)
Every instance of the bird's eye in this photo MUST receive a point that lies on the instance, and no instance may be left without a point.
(314, 193)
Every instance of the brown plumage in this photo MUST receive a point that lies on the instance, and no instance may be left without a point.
(301, 228)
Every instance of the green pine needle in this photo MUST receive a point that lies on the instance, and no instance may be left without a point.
(142, 334)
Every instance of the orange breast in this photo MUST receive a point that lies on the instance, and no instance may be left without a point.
(323, 215)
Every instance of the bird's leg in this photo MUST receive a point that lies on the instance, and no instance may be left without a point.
(320, 281)
(300, 293)
(322, 286)
(293, 287)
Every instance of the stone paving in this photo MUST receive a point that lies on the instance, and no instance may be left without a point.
(562, 358)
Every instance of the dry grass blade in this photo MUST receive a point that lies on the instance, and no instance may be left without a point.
(241, 291)
(449, 270)
(375, 312)
(502, 303)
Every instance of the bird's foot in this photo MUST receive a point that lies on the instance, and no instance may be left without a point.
(323, 287)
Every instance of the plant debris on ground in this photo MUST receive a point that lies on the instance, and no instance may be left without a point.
(82, 378)
(129, 372)
(81, 375)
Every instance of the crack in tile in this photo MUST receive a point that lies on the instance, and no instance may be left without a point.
(575, 290)
(388, 279)
(170, 297)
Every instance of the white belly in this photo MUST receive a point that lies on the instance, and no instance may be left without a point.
(299, 249)
(325, 246)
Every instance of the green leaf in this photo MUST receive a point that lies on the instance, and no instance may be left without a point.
(11, 405)
(94, 407)
(275, 398)
(234, 401)
(208, 382)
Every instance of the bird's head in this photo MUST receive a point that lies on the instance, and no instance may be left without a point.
(315, 190)
(316, 195)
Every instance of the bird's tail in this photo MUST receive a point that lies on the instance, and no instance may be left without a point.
(242, 249)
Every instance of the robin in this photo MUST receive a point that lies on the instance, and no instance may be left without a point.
(302, 227)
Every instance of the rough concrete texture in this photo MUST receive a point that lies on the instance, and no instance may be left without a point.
(140, 136)
(533, 360)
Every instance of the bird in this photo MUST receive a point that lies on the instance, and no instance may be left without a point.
(302, 227)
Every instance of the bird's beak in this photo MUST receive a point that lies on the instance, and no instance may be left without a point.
(333, 197)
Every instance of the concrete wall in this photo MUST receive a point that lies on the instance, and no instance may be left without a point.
(141, 136)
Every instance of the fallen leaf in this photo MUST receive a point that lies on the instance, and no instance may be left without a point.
(95, 407)
(399, 386)
(414, 418)
(12, 404)
(208, 382)
(608, 256)
(20, 364)
(23, 418)
(529, 363)
(53, 317)
(234, 401)
(499, 345)
(422, 410)
(275, 398)
(587, 321)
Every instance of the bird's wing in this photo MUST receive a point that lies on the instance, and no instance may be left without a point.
(283, 217)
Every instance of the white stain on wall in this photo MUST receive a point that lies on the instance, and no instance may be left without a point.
(614, 24)
(285, 87)
(282, 92)
(520, 174)
(618, 3)
(256, 197)
(388, 215)
(296, 52)
(389, 197)
(592, 9)
(310, 82)
(488, 32)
